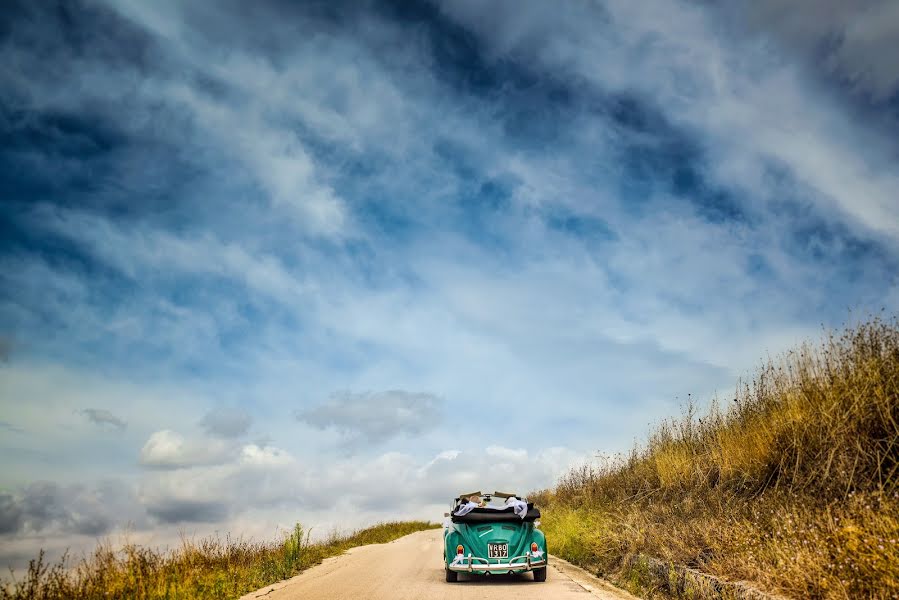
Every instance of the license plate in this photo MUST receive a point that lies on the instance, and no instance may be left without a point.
(498, 550)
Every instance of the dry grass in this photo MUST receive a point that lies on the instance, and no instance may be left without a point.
(209, 568)
(792, 486)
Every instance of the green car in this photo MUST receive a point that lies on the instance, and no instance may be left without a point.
(493, 533)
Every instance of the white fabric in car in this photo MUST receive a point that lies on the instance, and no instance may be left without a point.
(464, 509)
(519, 507)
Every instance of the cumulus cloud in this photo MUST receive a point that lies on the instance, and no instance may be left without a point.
(264, 456)
(104, 418)
(376, 416)
(226, 422)
(271, 477)
(167, 449)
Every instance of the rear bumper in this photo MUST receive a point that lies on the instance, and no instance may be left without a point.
(470, 564)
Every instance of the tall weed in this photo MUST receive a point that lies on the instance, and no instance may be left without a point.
(793, 485)
(214, 567)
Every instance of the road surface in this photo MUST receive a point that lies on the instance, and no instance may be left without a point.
(412, 568)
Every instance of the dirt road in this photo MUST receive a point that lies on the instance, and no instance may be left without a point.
(412, 568)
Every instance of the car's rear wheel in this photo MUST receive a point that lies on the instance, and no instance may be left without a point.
(540, 574)
(451, 576)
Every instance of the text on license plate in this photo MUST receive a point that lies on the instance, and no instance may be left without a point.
(497, 550)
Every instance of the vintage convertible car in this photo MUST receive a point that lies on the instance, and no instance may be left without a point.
(499, 537)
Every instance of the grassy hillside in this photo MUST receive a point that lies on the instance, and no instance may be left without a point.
(792, 485)
(209, 568)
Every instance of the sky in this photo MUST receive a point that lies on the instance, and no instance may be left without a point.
(337, 262)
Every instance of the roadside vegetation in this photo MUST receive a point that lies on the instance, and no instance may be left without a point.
(214, 567)
(790, 484)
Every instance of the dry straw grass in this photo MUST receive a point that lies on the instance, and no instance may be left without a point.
(792, 486)
(209, 568)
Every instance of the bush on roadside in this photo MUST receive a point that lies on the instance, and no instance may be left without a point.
(213, 567)
(792, 485)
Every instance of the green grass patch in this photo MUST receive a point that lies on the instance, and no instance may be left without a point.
(213, 567)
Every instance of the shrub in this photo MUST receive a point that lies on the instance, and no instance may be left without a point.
(792, 485)
(212, 567)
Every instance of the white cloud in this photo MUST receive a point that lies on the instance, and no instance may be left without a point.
(375, 416)
(266, 456)
(276, 157)
(167, 449)
(264, 488)
(59, 443)
(271, 477)
(153, 252)
(513, 455)
(861, 37)
(749, 107)
(226, 422)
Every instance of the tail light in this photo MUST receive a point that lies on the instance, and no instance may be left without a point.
(460, 549)
(534, 546)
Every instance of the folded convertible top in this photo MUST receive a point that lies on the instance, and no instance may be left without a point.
(490, 515)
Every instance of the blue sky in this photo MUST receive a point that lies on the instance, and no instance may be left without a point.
(335, 262)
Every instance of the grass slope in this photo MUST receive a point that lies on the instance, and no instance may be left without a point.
(791, 486)
(210, 568)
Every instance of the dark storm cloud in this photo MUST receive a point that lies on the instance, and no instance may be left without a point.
(11, 516)
(179, 510)
(47, 507)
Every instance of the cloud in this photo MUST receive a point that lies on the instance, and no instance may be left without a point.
(265, 152)
(851, 43)
(103, 418)
(226, 422)
(11, 517)
(264, 456)
(167, 449)
(48, 508)
(277, 158)
(376, 416)
(153, 249)
(270, 477)
(6, 426)
(510, 454)
(736, 92)
(173, 510)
